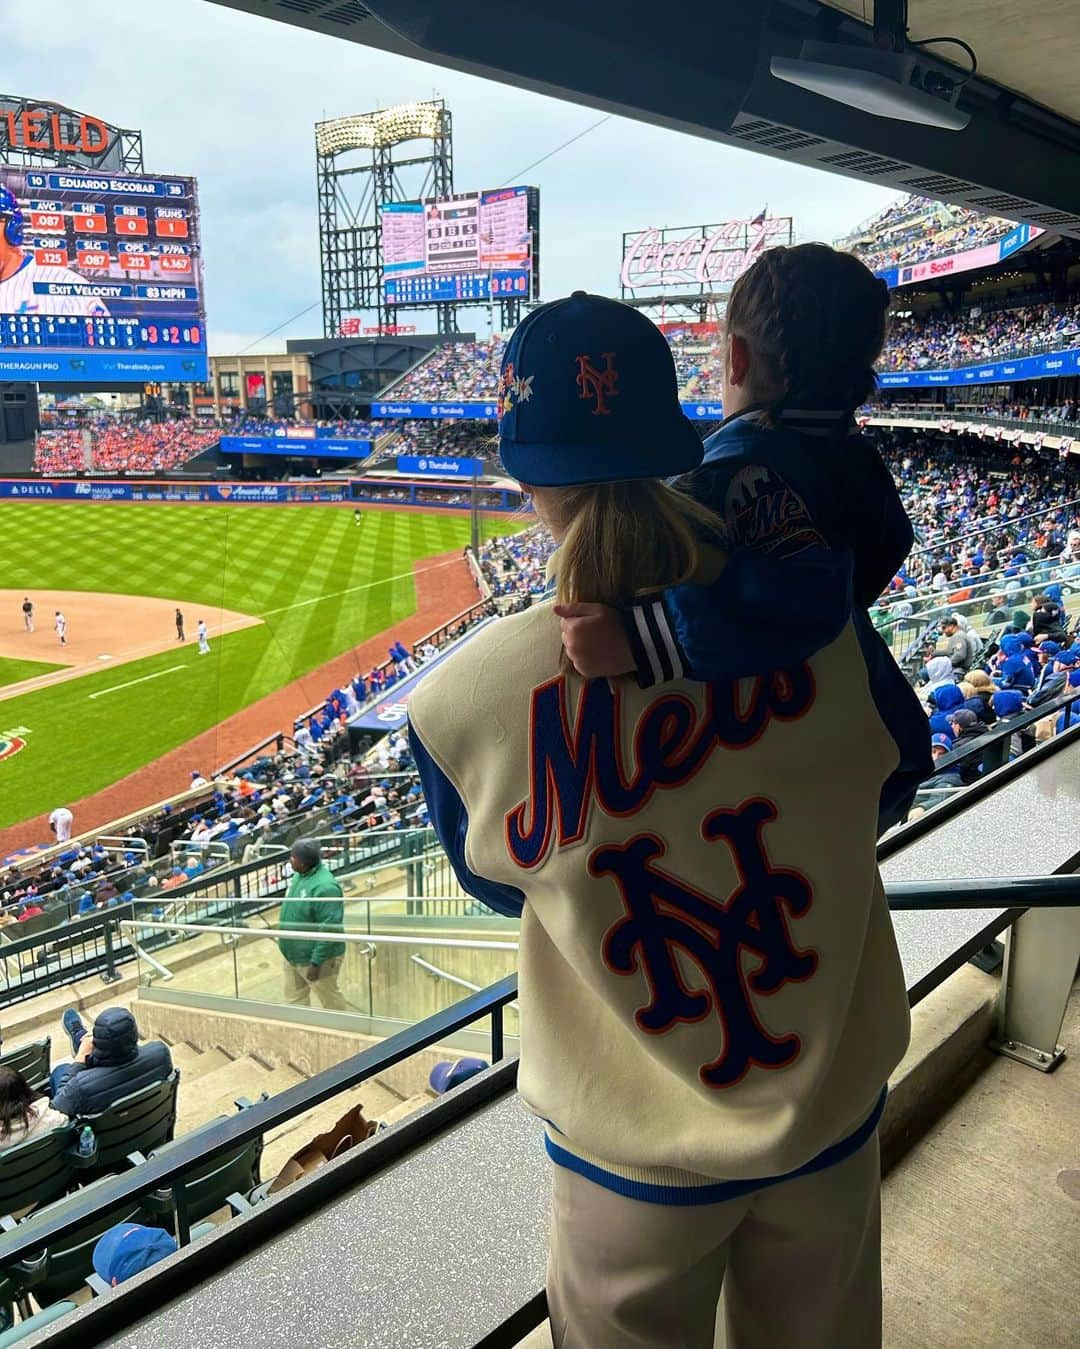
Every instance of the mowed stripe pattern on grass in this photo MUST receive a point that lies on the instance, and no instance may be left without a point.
(254, 560)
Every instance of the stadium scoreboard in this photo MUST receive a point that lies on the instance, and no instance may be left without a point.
(100, 277)
(472, 247)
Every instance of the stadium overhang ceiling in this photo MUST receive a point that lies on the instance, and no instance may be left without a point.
(704, 69)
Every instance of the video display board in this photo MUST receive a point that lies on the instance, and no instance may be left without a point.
(100, 277)
(473, 246)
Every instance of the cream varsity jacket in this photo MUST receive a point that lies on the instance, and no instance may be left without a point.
(711, 995)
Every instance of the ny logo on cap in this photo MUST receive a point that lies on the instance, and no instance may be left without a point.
(598, 384)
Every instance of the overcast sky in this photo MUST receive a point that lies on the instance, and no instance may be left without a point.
(232, 99)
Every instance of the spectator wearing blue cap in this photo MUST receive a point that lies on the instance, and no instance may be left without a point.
(673, 1136)
(940, 746)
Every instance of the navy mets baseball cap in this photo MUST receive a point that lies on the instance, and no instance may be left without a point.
(588, 393)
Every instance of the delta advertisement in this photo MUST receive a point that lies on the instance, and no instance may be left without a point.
(240, 493)
(993, 372)
(987, 256)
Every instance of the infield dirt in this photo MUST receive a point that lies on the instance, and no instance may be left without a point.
(103, 630)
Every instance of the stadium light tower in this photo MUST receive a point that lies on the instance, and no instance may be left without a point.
(359, 167)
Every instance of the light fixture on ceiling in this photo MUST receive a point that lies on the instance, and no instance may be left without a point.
(893, 78)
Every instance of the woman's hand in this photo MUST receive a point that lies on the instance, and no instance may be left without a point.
(595, 640)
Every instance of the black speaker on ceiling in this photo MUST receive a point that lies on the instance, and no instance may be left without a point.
(680, 60)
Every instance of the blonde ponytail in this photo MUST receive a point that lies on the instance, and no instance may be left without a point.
(624, 539)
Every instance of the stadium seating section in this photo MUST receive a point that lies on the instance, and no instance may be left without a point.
(133, 447)
(917, 228)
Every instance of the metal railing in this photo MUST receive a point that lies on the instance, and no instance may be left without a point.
(1031, 895)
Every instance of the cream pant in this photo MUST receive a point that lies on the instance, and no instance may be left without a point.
(799, 1262)
(298, 987)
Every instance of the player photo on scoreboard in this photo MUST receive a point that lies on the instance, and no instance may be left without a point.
(35, 277)
(71, 246)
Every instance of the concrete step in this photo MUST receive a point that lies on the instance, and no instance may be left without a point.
(196, 1063)
(25, 1022)
(216, 1093)
(407, 1107)
(377, 1100)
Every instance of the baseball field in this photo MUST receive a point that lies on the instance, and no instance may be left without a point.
(283, 590)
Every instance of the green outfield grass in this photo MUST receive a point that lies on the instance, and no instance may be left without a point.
(14, 671)
(320, 583)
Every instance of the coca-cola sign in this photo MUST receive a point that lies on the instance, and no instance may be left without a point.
(704, 257)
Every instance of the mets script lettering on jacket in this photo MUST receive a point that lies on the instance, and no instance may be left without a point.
(570, 769)
(664, 915)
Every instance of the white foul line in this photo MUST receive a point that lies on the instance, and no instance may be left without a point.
(367, 585)
(117, 687)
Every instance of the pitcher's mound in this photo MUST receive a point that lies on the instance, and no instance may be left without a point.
(102, 630)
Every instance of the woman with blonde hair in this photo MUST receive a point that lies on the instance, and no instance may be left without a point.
(711, 997)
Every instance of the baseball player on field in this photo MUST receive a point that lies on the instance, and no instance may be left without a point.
(28, 613)
(711, 996)
(60, 624)
(20, 272)
(203, 634)
(180, 626)
(60, 822)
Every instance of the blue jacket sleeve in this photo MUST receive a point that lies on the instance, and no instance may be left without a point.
(451, 822)
(877, 526)
(761, 614)
(900, 710)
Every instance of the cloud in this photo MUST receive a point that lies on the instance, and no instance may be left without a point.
(232, 99)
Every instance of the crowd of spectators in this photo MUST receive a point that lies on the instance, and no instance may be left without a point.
(917, 228)
(456, 371)
(469, 370)
(439, 438)
(970, 502)
(923, 341)
(123, 446)
(515, 567)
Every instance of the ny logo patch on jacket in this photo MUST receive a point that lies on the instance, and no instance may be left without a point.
(741, 943)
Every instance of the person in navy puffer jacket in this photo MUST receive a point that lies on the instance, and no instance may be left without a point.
(109, 1063)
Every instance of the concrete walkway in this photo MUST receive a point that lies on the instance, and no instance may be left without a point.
(981, 1220)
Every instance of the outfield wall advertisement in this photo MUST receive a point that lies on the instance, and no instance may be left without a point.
(989, 255)
(310, 447)
(264, 493)
(992, 372)
(486, 412)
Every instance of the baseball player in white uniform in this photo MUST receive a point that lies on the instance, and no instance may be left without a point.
(203, 634)
(20, 271)
(60, 624)
(60, 822)
(711, 995)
